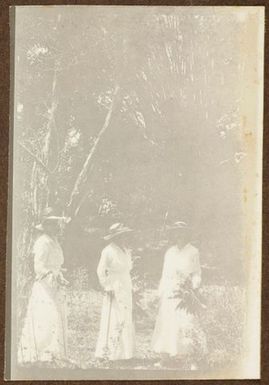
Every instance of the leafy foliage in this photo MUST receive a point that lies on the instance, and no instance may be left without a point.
(189, 298)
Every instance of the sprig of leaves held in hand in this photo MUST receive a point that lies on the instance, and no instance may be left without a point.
(188, 298)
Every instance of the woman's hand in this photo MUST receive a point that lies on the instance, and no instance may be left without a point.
(61, 279)
(196, 281)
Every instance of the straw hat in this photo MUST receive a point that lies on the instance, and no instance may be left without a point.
(177, 226)
(48, 217)
(115, 230)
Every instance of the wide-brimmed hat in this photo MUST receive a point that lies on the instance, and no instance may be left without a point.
(178, 225)
(115, 230)
(49, 217)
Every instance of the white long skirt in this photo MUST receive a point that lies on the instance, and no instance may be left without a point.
(177, 332)
(116, 335)
(44, 333)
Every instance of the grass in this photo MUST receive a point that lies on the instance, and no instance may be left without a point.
(222, 321)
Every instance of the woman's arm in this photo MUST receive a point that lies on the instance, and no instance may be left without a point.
(103, 270)
(196, 275)
(41, 253)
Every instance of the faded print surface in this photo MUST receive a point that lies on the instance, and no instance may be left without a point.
(139, 131)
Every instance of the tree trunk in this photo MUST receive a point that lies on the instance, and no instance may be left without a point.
(86, 164)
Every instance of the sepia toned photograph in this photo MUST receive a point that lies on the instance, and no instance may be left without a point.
(135, 192)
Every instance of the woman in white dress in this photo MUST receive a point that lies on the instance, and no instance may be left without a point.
(177, 332)
(116, 334)
(43, 336)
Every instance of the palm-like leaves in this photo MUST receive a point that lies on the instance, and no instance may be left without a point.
(189, 298)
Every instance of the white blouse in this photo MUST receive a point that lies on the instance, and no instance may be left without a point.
(179, 265)
(114, 267)
(48, 256)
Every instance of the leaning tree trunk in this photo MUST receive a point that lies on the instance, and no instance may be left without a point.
(83, 174)
(48, 155)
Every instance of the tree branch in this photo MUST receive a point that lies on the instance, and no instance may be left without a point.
(45, 168)
(86, 164)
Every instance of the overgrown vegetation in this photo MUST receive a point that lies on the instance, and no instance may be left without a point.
(222, 321)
